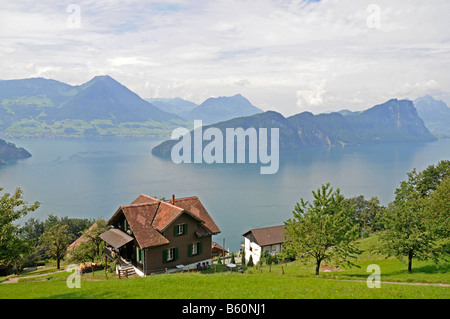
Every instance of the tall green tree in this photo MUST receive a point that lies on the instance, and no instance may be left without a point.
(438, 209)
(93, 246)
(32, 230)
(413, 228)
(322, 230)
(12, 207)
(55, 240)
(366, 213)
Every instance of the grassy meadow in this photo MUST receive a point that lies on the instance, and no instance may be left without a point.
(293, 280)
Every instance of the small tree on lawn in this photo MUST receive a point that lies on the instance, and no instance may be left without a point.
(322, 230)
(55, 240)
(417, 222)
(250, 261)
(12, 246)
(232, 259)
(93, 238)
(262, 258)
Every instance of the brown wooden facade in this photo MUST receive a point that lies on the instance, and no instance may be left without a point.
(177, 239)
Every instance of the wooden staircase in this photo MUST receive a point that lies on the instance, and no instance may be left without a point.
(126, 270)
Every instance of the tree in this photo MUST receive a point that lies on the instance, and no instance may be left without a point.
(12, 207)
(77, 225)
(93, 235)
(32, 230)
(323, 230)
(92, 248)
(262, 258)
(55, 240)
(250, 261)
(416, 219)
(366, 214)
(438, 209)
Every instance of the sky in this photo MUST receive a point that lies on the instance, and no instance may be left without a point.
(284, 55)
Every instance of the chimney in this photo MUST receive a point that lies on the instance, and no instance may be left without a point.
(173, 199)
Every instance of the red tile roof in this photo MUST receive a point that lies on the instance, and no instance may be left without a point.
(148, 217)
(195, 207)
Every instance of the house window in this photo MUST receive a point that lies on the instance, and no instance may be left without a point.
(194, 249)
(179, 230)
(170, 254)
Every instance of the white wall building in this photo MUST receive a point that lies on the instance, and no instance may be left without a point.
(268, 239)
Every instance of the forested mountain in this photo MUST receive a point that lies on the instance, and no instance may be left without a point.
(42, 107)
(9, 152)
(393, 121)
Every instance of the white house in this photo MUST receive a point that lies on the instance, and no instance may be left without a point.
(268, 239)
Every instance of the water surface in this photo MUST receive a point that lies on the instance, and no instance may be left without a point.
(91, 178)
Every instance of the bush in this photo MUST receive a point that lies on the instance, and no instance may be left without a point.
(250, 261)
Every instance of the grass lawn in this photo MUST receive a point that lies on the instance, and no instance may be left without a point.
(287, 281)
(256, 284)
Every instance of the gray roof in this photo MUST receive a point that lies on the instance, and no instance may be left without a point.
(116, 238)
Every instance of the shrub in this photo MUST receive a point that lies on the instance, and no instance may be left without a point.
(250, 261)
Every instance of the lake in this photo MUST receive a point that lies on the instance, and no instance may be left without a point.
(91, 178)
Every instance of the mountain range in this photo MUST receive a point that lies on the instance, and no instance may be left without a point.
(393, 121)
(39, 107)
(102, 106)
(212, 110)
(44, 107)
(435, 114)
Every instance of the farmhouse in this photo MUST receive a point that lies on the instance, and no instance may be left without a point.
(268, 239)
(154, 236)
(217, 250)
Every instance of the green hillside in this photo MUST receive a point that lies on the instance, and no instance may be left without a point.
(291, 280)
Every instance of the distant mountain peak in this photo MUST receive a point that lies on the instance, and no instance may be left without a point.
(101, 79)
(218, 109)
(435, 113)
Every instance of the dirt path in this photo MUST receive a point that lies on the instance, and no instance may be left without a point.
(14, 280)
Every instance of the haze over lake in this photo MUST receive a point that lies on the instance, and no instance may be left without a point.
(91, 178)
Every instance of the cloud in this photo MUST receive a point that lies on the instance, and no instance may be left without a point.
(286, 54)
(312, 97)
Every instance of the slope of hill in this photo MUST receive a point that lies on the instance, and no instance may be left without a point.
(102, 106)
(9, 152)
(176, 105)
(30, 99)
(104, 98)
(393, 121)
(222, 108)
(435, 114)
